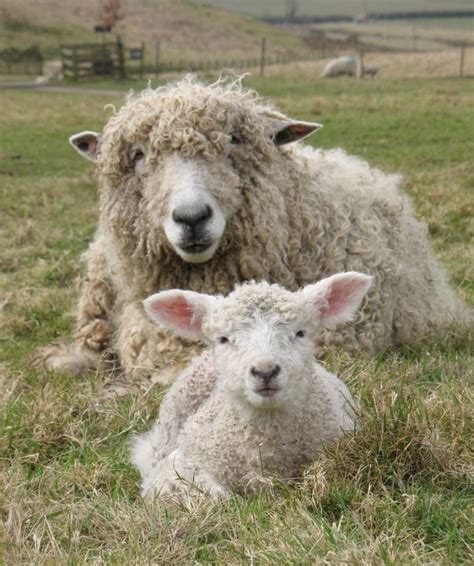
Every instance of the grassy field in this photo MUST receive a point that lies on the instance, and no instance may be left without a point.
(399, 492)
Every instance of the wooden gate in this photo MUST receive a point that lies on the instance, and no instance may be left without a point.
(93, 60)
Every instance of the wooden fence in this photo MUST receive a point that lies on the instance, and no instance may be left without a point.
(89, 60)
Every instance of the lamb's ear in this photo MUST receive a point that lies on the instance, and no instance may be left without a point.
(338, 297)
(290, 131)
(183, 312)
(87, 144)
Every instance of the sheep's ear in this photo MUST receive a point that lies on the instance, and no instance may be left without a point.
(183, 312)
(87, 144)
(338, 297)
(290, 131)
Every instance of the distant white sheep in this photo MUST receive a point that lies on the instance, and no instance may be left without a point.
(347, 65)
(340, 66)
(256, 404)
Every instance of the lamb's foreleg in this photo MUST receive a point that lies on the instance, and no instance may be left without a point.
(175, 476)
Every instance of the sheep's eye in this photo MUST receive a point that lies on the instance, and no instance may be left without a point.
(223, 340)
(137, 154)
(235, 139)
(300, 334)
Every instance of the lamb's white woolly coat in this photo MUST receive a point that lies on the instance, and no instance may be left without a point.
(256, 404)
(203, 436)
(298, 214)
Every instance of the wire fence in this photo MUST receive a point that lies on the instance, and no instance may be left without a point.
(114, 59)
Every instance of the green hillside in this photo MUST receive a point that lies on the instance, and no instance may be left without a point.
(184, 29)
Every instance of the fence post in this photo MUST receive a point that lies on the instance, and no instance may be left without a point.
(323, 45)
(262, 58)
(461, 61)
(142, 61)
(360, 59)
(157, 58)
(121, 58)
(75, 66)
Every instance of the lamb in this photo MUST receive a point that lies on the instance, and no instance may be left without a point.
(256, 404)
(205, 186)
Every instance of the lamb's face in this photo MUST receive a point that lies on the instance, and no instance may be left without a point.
(264, 358)
(186, 152)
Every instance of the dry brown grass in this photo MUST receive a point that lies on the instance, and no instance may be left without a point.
(436, 64)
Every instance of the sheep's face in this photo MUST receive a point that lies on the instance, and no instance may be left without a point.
(200, 196)
(182, 156)
(262, 335)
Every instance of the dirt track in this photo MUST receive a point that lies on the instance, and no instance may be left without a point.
(59, 88)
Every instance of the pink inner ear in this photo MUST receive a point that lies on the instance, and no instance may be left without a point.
(178, 312)
(300, 130)
(341, 295)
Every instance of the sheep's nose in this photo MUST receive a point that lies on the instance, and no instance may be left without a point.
(266, 373)
(191, 217)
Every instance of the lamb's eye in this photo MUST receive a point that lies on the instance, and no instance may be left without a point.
(136, 155)
(223, 340)
(300, 334)
(235, 139)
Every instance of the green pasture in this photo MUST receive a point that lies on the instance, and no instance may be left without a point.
(399, 492)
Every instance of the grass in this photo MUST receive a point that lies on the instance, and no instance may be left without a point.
(399, 492)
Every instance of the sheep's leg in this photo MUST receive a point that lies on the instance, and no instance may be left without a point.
(146, 353)
(93, 327)
(174, 476)
(207, 483)
(160, 479)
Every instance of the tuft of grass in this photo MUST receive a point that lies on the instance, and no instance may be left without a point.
(399, 491)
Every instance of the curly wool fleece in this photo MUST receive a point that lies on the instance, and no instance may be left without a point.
(293, 215)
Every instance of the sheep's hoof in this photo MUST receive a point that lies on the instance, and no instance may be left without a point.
(63, 360)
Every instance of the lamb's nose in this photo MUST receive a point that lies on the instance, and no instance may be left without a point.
(265, 372)
(191, 217)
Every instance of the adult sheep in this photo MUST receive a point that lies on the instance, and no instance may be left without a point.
(201, 187)
(340, 66)
(348, 65)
